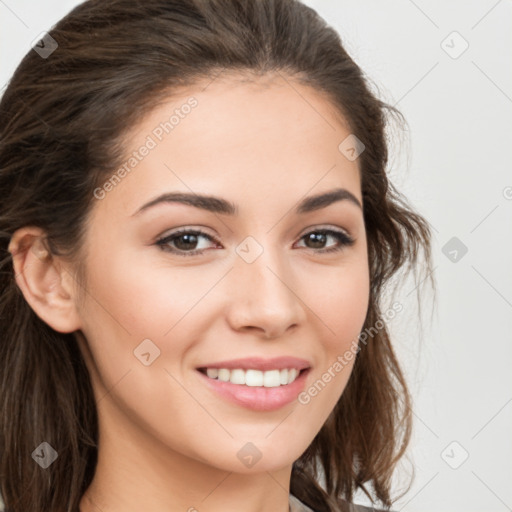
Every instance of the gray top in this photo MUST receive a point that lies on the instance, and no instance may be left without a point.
(298, 506)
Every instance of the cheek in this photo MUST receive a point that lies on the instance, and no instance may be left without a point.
(339, 299)
(130, 302)
(143, 298)
(124, 309)
(341, 311)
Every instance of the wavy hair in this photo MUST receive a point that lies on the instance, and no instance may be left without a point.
(63, 119)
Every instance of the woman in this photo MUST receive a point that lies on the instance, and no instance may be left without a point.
(251, 370)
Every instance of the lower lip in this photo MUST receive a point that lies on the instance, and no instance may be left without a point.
(255, 397)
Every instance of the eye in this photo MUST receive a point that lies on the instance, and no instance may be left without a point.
(180, 242)
(320, 236)
(183, 239)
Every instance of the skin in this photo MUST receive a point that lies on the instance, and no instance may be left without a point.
(166, 441)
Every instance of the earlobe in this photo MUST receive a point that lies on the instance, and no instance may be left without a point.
(44, 280)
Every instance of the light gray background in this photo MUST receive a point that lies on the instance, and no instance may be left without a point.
(454, 166)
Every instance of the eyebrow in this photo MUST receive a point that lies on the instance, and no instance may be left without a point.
(218, 205)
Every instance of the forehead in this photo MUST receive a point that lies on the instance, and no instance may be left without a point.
(263, 136)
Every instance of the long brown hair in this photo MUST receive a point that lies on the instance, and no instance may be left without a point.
(63, 118)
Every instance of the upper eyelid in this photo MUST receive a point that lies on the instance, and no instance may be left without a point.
(202, 231)
(213, 238)
(322, 227)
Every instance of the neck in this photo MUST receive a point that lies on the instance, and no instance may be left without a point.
(137, 472)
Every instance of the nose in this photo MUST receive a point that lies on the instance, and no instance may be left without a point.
(263, 297)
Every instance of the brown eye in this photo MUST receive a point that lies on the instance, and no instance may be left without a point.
(180, 242)
(185, 241)
(317, 239)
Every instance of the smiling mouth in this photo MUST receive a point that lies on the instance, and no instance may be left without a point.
(254, 378)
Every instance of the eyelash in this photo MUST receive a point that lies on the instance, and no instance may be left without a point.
(163, 243)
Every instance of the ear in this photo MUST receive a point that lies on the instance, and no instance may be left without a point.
(44, 279)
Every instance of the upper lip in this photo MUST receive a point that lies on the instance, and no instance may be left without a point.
(259, 363)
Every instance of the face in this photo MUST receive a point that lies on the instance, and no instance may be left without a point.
(185, 301)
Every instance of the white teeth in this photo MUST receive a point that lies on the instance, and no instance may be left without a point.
(213, 373)
(292, 375)
(254, 378)
(271, 379)
(224, 374)
(237, 377)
